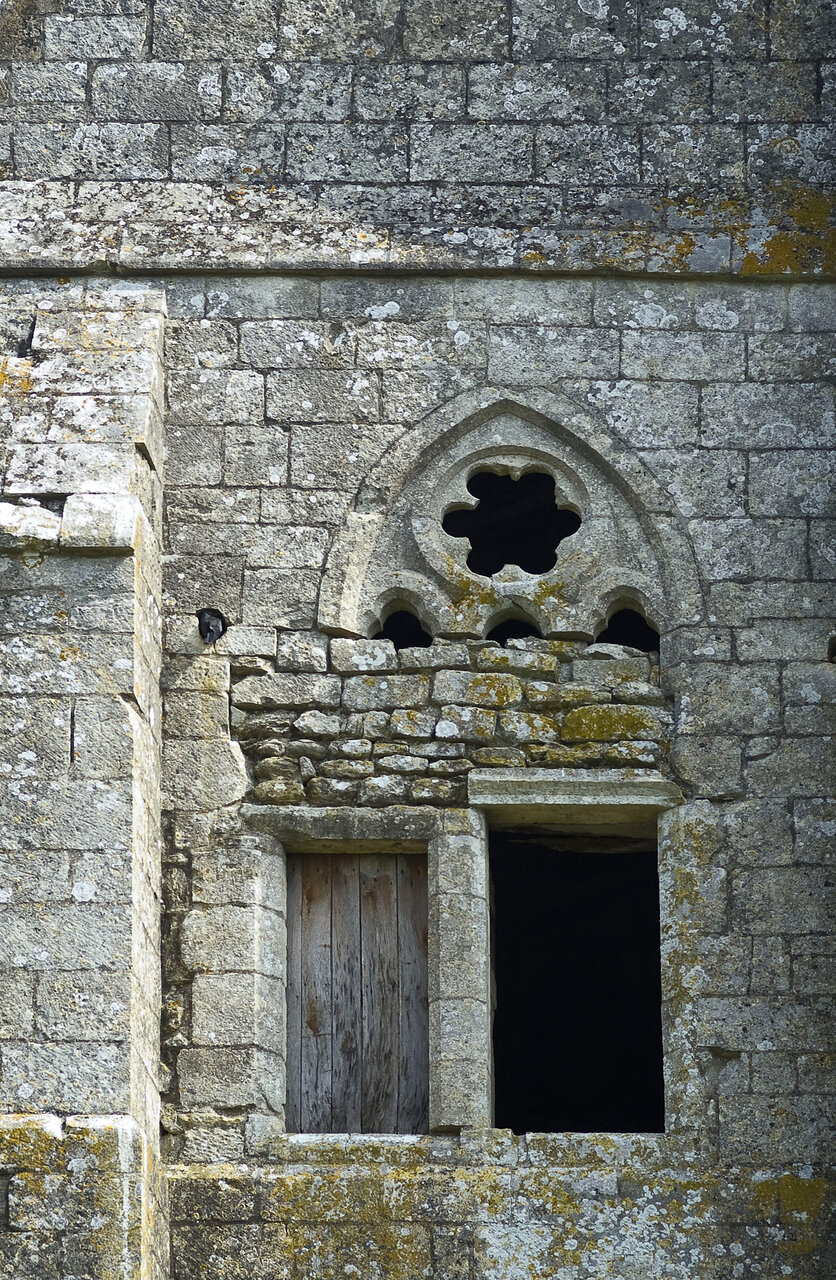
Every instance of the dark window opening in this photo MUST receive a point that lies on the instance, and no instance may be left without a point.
(515, 522)
(513, 629)
(627, 626)
(404, 630)
(357, 1020)
(831, 649)
(577, 1033)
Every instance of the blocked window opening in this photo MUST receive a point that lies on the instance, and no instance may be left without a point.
(357, 1021)
(627, 626)
(404, 630)
(577, 1033)
(513, 629)
(515, 522)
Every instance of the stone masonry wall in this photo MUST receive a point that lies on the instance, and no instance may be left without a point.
(309, 238)
(640, 136)
(406, 728)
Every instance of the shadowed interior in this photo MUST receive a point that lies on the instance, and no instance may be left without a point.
(577, 1027)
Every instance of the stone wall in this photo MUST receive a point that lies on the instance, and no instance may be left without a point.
(637, 136)
(347, 254)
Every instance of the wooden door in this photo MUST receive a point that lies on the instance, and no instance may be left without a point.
(357, 1057)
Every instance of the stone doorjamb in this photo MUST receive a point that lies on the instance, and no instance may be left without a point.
(606, 802)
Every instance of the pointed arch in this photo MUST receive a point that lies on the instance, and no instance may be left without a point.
(633, 542)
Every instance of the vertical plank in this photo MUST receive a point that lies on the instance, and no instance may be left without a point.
(293, 1117)
(379, 959)
(315, 1106)
(346, 1016)
(414, 1066)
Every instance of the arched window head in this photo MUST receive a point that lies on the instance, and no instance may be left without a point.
(515, 522)
(513, 629)
(628, 627)
(403, 628)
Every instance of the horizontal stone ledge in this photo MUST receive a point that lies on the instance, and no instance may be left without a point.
(103, 522)
(609, 801)
(304, 829)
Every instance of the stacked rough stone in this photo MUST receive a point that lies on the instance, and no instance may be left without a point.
(406, 728)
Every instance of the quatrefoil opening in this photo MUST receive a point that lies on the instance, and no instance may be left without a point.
(514, 522)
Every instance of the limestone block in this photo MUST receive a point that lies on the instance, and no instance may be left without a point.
(188, 30)
(205, 674)
(373, 693)
(783, 900)
(227, 152)
(789, 766)
(529, 726)
(190, 714)
(27, 526)
(744, 1024)
(460, 924)
(767, 1129)
(351, 152)
(34, 875)
(433, 791)
(360, 768)
(533, 355)
(434, 657)
(67, 813)
(84, 1006)
(225, 1077)
(238, 871)
(279, 791)
(81, 936)
(385, 789)
(301, 651)
(122, 152)
(412, 724)
(258, 693)
(280, 597)
(238, 1009)
(548, 693)
(516, 661)
(331, 791)
(612, 153)
(81, 1077)
(34, 737)
(112, 36)
(314, 724)
(17, 995)
(775, 415)
(469, 723)
(203, 775)
(157, 91)
(486, 690)
(815, 828)
(242, 937)
(348, 656)
(723, 698)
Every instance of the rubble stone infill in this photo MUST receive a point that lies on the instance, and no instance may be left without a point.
(373, 726)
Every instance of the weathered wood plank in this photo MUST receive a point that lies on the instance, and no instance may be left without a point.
(293, 1117)
(346, 1016)
(413, 1071)
(379, 948)
(315, 1106)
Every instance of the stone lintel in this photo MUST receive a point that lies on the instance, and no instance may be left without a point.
(607, 801)
(305, 829)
